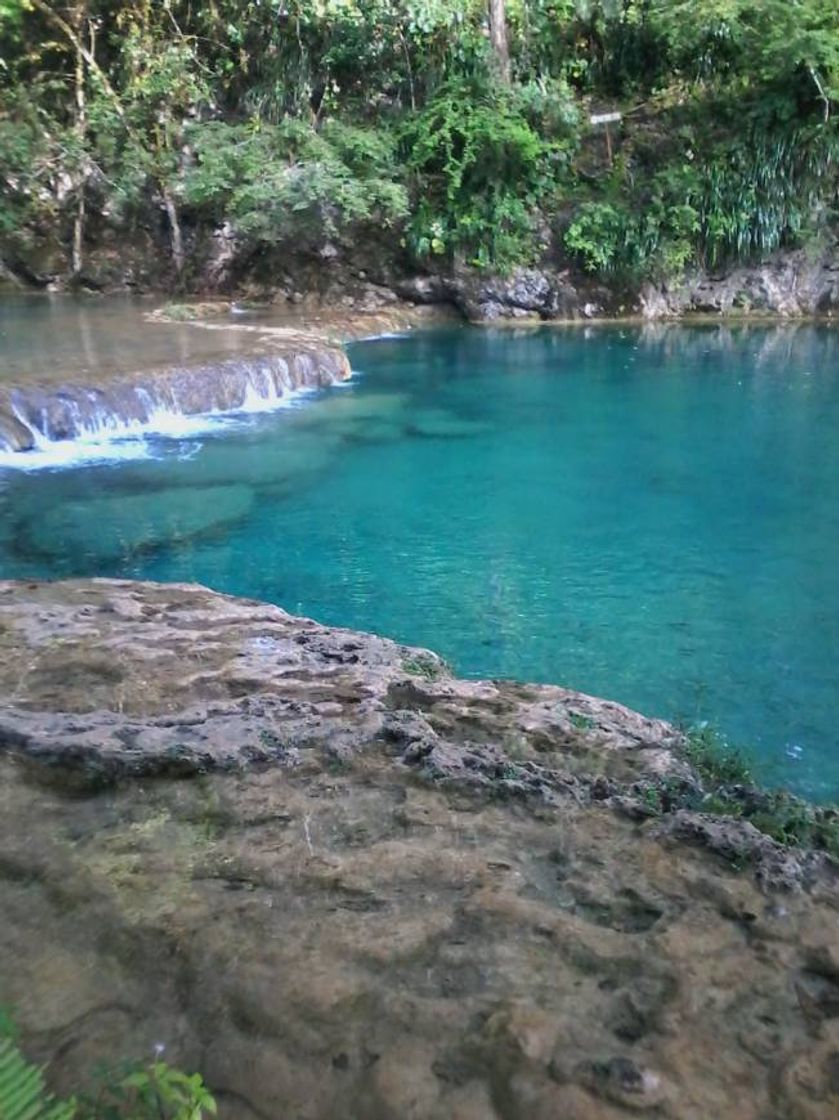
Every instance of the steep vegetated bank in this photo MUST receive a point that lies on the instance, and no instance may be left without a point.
(434, 150)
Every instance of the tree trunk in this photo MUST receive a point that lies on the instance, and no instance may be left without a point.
(171, 208)
(825, 100)
(77, 251)
(498, 39)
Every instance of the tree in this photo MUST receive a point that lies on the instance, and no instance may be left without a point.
(769, 42)
(498, 39)
(81, 27)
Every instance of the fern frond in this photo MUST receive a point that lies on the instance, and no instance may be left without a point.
(23, 1094)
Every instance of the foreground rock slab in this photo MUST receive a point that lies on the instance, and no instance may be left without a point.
(342, 883)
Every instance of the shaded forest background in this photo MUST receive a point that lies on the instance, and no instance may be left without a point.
(457, 132)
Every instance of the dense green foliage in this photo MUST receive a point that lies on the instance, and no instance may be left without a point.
(307, 121)
(479, 167)
(153, 1092)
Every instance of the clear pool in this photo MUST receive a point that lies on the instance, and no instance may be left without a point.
(646, 514)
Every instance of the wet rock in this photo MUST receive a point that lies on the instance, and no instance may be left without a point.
(56, 410)
(792, 284)
(424, 289)
(14, 434)
(110, 529)
(527, 293)
(437, 423)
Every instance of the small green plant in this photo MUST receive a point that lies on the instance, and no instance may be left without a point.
(423, 665)
(730, 791)
(714, 759)
(180, 312)
(652, 800)
(612, 238)
(794, 822)
(153, 1092)
(581, 722)
(270, 740)
(479, 167)
(290, 182)
(597, 236)
(430, 773)
(156, 1091)
(719, 805)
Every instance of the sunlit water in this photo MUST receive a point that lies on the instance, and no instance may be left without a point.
(649, 516)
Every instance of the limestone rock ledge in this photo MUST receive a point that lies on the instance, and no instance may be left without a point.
(35, 410)
(342, 883)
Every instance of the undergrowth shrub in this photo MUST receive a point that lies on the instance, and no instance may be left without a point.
(730, 790)
(724, 200)
(155, 1091)
(479, 167)
(291, 182)
(763, 195)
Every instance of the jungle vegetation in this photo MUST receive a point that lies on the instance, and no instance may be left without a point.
(460, 129)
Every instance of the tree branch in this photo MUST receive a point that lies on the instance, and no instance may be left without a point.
(825, 100)
(77, 44)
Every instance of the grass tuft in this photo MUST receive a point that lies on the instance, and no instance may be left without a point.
(423, 665)
(730, 791)
(714, 759)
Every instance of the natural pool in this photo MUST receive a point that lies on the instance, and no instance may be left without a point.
(646, 514)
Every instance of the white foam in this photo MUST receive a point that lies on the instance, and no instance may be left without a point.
(383, 335)
(107, 439)
(73, 453)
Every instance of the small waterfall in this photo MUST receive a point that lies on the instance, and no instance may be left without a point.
(34, 416)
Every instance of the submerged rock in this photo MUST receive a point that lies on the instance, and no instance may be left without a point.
(438, 423)
(114, 528)
(382, 891)
(372, 418)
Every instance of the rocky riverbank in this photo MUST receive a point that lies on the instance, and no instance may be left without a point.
(788, 286)
(376, 278)
(340, 882)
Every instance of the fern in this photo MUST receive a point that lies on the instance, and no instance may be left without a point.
(153, 1092)
(23, 1094)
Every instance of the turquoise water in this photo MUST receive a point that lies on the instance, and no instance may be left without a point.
(651, 516)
